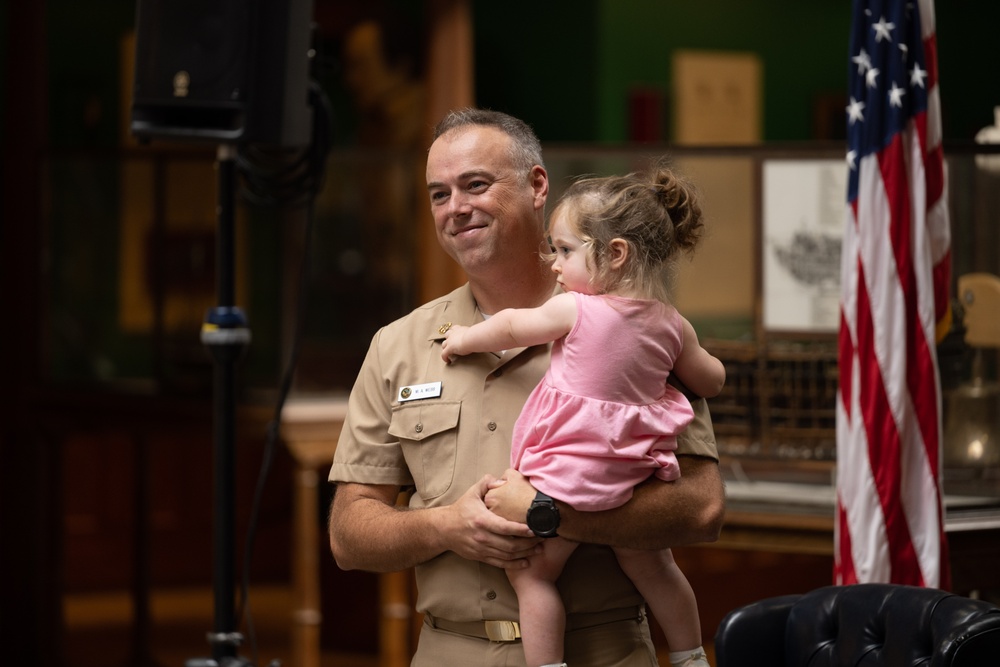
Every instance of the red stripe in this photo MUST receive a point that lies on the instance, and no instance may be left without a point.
(883, 446)
(843, 565)
(934, 179)
(889, 433)
(919, 357)
(930, 59)
(933, 164)
(845, 364)
(845, 344)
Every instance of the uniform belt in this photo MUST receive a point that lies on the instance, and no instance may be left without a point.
(509, 631)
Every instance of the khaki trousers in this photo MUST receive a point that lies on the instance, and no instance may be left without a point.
(617, 644)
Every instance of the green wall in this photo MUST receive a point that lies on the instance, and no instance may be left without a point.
(568, 66)
(538, 61)
(803, 53)
(84, 43)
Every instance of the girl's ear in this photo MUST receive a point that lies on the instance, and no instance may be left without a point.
(619, 253)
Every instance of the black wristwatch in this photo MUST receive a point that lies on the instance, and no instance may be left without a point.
(543, 516)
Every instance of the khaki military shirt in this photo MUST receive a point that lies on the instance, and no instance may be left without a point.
(437, 428)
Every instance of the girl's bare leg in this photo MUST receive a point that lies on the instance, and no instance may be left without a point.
(668, 594)
(542, 615)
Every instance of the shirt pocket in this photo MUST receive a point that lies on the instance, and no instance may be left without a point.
(428, 435)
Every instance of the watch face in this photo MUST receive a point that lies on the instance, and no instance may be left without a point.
(543, 520)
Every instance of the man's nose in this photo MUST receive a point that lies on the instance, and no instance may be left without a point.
(459, 204)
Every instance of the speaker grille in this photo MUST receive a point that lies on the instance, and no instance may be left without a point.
(207, 41)
(226, 70)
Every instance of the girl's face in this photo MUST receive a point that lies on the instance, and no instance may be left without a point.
(571, 264)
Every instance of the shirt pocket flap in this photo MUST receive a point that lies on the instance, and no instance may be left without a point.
(419, 421)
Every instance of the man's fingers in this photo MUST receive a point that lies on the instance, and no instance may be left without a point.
(517, 564)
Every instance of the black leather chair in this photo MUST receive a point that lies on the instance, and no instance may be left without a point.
(862, 624)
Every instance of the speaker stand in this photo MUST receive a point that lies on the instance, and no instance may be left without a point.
(226, 335)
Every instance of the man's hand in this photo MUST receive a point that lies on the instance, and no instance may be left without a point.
(511, 496)
(476, 533)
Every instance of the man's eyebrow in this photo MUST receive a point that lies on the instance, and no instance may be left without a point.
(482, 173)
(465, 177)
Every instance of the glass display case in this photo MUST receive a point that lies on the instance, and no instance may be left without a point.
(129, 242)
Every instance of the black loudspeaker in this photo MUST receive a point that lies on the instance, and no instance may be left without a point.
(228, 71)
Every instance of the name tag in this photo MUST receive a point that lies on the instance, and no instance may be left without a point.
(415, 392)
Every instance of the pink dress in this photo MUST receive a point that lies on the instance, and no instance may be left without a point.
(603, 418)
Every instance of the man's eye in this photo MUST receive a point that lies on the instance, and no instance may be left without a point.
(477, 185)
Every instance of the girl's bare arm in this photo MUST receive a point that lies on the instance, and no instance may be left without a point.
(698, 370)
(513, 327)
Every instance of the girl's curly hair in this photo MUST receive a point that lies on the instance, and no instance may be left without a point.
(657, 213)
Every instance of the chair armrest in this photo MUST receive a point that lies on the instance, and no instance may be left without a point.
(755, 634)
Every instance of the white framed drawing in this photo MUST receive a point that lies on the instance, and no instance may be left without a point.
(803, 212)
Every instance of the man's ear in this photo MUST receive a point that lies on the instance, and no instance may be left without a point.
(540, 184)
(619, 252)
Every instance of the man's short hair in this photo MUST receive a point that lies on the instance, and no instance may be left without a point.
(526, 149)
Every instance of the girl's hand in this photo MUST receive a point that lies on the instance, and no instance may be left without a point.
(510, 496)
(451, 347)
(473, 532)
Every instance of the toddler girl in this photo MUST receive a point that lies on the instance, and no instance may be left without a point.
(603, 418)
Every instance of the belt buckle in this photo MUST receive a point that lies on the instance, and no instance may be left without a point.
(503, 631)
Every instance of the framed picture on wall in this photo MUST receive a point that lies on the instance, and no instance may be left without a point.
(803, 209)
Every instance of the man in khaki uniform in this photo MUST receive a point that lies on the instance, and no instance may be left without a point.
(443, 431)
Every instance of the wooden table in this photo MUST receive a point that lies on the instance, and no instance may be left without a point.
(761, 516)
(798, 518)
(310, 429)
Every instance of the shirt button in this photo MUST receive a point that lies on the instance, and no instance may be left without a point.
(492, 426)
(492, 595)
(419, 428)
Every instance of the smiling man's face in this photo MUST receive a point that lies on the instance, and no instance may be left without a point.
(483, 207)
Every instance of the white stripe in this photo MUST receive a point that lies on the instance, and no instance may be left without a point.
(856, 485)
(920, 488)
(938, 230)
(923, 264)
(849, 272)
(881, 279)
(933, 118)
(926, 18)
(871, 241)
(937, 215)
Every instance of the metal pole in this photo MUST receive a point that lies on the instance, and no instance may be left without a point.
(226, 335)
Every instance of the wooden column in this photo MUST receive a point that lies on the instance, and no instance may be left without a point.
(310, 429)
(449, 86)
(30, 519)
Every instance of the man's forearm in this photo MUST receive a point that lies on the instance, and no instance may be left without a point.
(367, 533)
(660, 514)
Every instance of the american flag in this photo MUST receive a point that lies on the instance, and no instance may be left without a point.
(895, 285)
